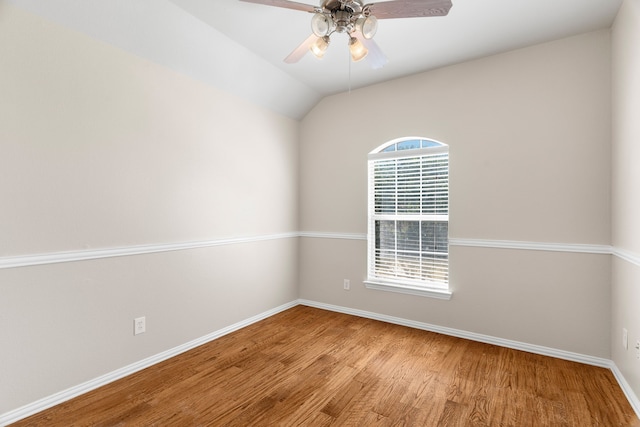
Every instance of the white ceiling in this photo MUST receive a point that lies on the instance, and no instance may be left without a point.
(473, 28)
(240, 47)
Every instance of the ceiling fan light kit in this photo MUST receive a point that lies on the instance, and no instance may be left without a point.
(356, 19)
(320, 46)
(357, 49)
(368, 26)
(322, 25)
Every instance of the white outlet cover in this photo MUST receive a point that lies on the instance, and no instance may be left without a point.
(139, 325)
(625, 338)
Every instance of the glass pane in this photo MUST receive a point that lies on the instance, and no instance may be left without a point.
(435, 236)
(385, 265)
(408, 236)
(416, 250)
(436, 268)
(410, 144)
(408, 265)
(435, 188)
(385, 235)
(385, 187)
(428, 143)
(408, 178)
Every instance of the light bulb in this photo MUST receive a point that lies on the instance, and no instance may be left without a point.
(319, 47)
(357, 49)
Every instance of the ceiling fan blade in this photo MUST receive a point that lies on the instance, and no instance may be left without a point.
(376, 58)
(284, 3)
(410, 8)
(301, 50)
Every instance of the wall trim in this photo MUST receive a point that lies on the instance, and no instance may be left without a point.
(580, 248)
(626, 388)
(486, 243)
(75, 391)
(84, 255)
(323, 235)
(532, 246)
(437, 293)
(626, 255)
(516, 345)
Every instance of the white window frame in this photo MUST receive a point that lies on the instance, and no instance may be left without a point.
(435, 289)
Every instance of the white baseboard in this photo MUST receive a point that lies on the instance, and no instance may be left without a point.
(70, 393)
(537, 349)
(65, 395)
(516, 345)
(626, 388)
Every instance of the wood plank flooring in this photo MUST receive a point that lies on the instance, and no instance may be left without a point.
(312, 367)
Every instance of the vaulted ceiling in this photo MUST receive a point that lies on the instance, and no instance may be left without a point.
(240, 47)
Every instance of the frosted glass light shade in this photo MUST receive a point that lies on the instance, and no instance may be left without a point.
(321, 25)
(319, 47)
(357, 49)
(368, 26)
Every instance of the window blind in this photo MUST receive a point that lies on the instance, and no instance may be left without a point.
(409, 217)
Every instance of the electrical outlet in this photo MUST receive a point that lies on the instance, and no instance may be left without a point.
(139, 325)
(347, 284)
(625, 339)
(637, 349)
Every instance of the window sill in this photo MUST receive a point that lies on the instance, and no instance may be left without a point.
(443, 294)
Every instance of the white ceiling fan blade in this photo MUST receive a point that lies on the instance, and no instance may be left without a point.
(375, 56)
(410, 8)
(284, 3)
(301, 50)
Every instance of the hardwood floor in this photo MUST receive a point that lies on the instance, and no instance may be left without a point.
(318, 368)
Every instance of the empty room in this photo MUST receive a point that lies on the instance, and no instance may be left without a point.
(271, 212)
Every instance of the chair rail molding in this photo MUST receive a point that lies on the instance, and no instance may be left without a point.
(92, 254)
(84, 255)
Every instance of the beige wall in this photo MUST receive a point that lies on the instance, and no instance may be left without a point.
(100, 149)
(529, 137)
(626, 189)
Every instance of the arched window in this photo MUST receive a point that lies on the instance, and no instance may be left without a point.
(409, 217)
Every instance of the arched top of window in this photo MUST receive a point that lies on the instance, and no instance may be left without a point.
(408, 143)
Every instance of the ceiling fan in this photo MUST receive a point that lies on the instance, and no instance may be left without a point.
(356, 19)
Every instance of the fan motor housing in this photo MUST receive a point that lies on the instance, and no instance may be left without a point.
(352, 6)
(343, 13)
